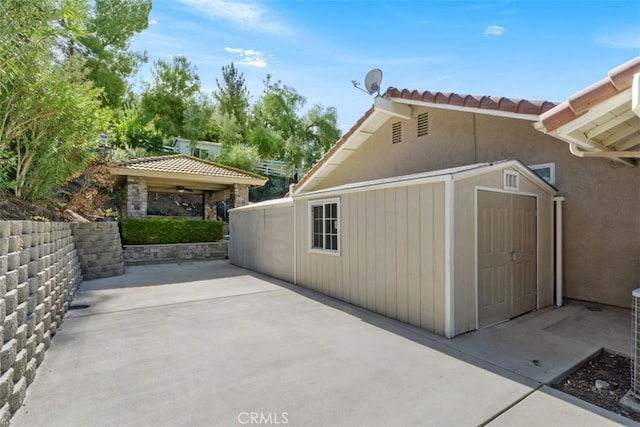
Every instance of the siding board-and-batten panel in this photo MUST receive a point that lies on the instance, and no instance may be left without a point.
(413, 254)
(391, 254)
(262, 241)
(353, 248)
(362, 249)
(371, 233)
(381, 265)
(439, 264)
(401, 254)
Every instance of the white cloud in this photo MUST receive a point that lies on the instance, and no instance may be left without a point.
(153, 22)
(248, 16)
(250, 57)
(620, 39)
(494, 30)
(440, 79)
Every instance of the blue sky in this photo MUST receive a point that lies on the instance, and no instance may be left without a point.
(544, 50)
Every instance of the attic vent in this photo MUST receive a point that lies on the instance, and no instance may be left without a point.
(423, 124)
(511, 180)
(396, 132)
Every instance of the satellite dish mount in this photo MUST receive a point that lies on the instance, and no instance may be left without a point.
(372, 82)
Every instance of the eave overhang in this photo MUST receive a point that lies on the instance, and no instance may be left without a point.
(601, 120)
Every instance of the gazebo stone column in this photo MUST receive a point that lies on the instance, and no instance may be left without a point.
(210, 202)
(134, 197)
(240, 195)
(209, 205)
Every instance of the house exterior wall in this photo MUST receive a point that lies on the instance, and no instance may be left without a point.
(465, 235)
(450, 143)
(601, 224)
(206, 149)
(391, 255)
(261, 239)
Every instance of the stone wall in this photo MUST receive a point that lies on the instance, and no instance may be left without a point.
(39, 273)
(151, 254)
(99, 249)
(240, 195)
(134, 197)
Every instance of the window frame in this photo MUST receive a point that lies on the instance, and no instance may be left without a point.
(323, 203)
(552, 171)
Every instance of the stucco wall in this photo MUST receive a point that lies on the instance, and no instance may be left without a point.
(39, 272)
(601, 224)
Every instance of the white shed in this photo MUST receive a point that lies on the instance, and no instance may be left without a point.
(450, 250)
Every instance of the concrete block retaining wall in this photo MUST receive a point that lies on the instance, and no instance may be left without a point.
(149, 254)
(99, 249)
(39, 273)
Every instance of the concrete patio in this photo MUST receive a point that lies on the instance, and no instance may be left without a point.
(207, 343)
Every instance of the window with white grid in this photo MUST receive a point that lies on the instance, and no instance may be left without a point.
(324, 221)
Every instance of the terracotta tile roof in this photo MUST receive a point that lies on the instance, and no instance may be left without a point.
(508, 105)
(618, 80)
(181, 163)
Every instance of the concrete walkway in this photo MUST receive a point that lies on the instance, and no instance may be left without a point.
(209, 344)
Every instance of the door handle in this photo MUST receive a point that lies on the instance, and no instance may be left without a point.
(514, 256)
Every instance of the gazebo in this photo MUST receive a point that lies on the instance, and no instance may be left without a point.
(179, 173)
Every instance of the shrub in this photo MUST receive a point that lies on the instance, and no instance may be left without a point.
(149, 231)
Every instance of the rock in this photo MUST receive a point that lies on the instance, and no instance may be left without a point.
(600, 384)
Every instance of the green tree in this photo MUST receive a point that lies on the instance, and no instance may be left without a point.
(280, 132)
(164, 101)
(50, 113)
(229, 130)
(320, 132)
(106, 44)
(129, 130)
(239, 156)
(197, 119)
(59, 134)
(233, 97)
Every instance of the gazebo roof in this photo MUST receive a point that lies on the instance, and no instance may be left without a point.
(167, 172)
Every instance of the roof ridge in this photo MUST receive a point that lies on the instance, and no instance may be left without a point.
(142, 160)
(148, 159)
(485, 102)
(220, 165)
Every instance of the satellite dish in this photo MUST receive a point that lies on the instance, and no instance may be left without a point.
(372, 81)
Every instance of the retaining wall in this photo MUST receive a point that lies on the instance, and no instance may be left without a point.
(99, 249)
(151, 254)
(39, 273)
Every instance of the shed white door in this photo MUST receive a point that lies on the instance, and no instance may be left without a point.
(506, 256)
